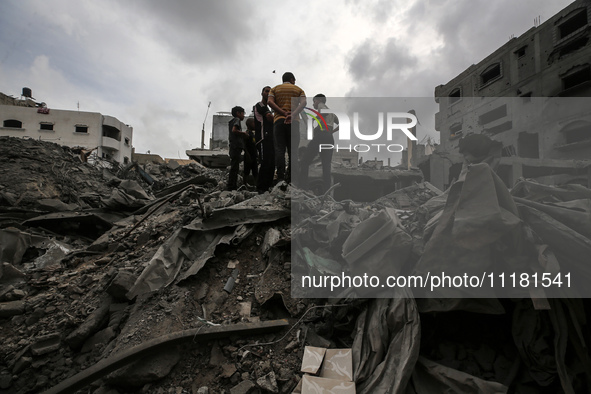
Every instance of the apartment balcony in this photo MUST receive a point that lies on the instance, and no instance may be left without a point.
(111, 143)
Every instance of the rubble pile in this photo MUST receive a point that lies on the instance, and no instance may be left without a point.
(518, 340)
(153, 279)
(72, 289)
(32, 172)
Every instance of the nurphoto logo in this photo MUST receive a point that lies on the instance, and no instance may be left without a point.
(394, 122)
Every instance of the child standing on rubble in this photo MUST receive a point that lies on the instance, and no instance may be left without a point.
(236, 138)
(250, 153)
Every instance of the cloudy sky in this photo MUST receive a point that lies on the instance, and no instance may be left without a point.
(157, 64)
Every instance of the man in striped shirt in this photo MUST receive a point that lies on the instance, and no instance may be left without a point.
(280, 101)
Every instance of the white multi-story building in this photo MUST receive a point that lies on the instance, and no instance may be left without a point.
(523, 96)
(25, 118)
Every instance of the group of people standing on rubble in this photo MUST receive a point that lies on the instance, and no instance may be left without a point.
(272, 132)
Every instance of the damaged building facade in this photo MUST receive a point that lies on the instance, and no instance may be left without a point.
(522, 95)
(26, 118)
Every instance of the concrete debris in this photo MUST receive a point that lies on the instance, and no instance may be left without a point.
(268, 382)
(46, 344)
(105, 272)
(12, 308)
(121, 284)
(244, 387)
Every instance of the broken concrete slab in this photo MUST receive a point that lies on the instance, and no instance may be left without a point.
(46, 344)
(244, 387)
(12, 308)
(133, 188)
(228, 370)
(121, 285)
(217, 357)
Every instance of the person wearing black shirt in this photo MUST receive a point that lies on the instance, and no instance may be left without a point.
(264, 122)
(236, 139)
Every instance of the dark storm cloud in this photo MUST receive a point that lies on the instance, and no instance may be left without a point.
(200, 31)
(473, 29)
(466, 31)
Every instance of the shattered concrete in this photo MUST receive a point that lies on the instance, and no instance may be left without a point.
(63, 313)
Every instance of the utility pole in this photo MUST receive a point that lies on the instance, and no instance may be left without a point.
(203, 128)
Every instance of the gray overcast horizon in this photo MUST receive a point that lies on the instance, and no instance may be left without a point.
(156, 65)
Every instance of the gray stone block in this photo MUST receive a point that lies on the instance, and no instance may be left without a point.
(12, 308)
(46, 344)
(120, 285)
(243, 387)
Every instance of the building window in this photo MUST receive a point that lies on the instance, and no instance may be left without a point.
(111, 132)
(125, 160)
(572, 46)
(491, 116)
(492, 73)
(520, 52)
(576, 77)
(577, 132)
(13, 124)
(46, 126)
(455, 95)
(572, 24)
(455, 131)
(499, 128)
(126, 141)
(81, 128)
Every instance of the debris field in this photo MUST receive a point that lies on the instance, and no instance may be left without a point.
(153, 279)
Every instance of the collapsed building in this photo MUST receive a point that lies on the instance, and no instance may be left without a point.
(522, 95)
(110, 284)
(152, 279)
(102, 137)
